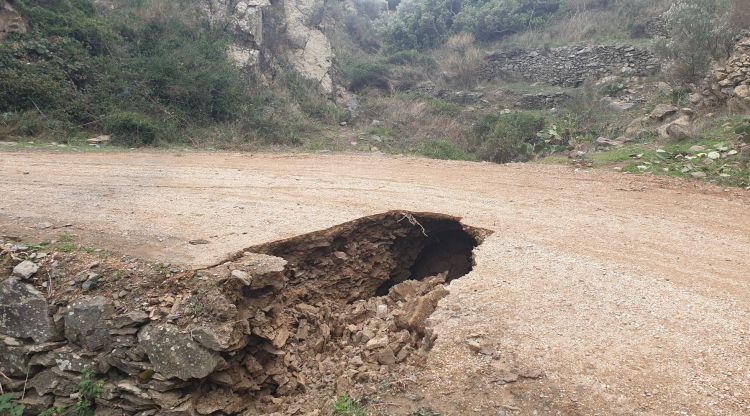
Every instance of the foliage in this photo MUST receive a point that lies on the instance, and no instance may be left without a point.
(507, 137)
(346, 406)
(9, 407)
(425, 24)
(368, 74)
(443, 149)
(699, 31)
(145, 72)
(412, 57)
(89, 390)
(614, 89)
(493, 19)
(131, 129)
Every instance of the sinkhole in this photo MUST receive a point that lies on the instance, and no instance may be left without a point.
(367, 256)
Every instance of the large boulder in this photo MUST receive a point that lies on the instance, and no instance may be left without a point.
(662, 111)
(174, 354)
(24, 312)
(86, 322)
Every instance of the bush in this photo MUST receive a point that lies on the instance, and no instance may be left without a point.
(411, 57)
(700, 31)
(443, 149)
(369, 74)
(131, 129)
(425, 24)
(493, 19)
(507, 137)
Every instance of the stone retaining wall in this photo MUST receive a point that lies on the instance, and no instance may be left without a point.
(569, 65)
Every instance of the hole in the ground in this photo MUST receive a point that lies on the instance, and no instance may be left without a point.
(445, 247)
(368, 256)
(344, 306)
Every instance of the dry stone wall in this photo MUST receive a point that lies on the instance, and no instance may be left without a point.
(569, 66)
(729, 82)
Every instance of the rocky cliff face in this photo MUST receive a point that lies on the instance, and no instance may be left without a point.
(306, 48)
(729, 82)
(10, 20)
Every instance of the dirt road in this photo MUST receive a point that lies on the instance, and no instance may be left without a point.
(598, 293)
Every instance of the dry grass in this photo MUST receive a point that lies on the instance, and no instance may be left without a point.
(460, 61)
(413, 119)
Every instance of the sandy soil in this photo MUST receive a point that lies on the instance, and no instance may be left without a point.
(598, 293)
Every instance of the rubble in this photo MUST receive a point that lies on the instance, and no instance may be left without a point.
(282, 325)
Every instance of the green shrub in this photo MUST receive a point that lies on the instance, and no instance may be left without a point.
(507, 137)
(700, 31)
(9, 406)
(369, 74)
(346, 406)
(425, 24)
(412, 57)
(131, 129)
(493, 19)
(443, 149)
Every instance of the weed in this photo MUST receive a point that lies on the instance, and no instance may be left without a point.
(89, 390)
(65, 238)
(66, 247)
(346, 406)
(9, 407)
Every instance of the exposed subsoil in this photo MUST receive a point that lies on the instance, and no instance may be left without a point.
(597, 293)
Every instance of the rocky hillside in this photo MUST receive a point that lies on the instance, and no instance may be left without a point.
(496, 80)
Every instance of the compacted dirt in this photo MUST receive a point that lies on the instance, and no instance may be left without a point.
(597, 293)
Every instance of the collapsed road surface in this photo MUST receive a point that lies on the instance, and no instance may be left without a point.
(596, 293)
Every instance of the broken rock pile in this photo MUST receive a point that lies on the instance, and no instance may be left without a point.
(281, 327)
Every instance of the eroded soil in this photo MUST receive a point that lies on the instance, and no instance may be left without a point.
(597, 293)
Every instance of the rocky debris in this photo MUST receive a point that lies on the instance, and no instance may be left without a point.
(281, 325)
(728, 82)
(91, 281)
(569, 65)
(25, 269)
(24, 312)
(10, 20)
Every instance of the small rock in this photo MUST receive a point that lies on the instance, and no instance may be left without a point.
(91, 282)
(697, 148)
(474, 345)
(25, 269)
(43, 225)
(698, 175)
(713, 155)
(199, 241)
(386, 356)
(243, 277)
(376, 343)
